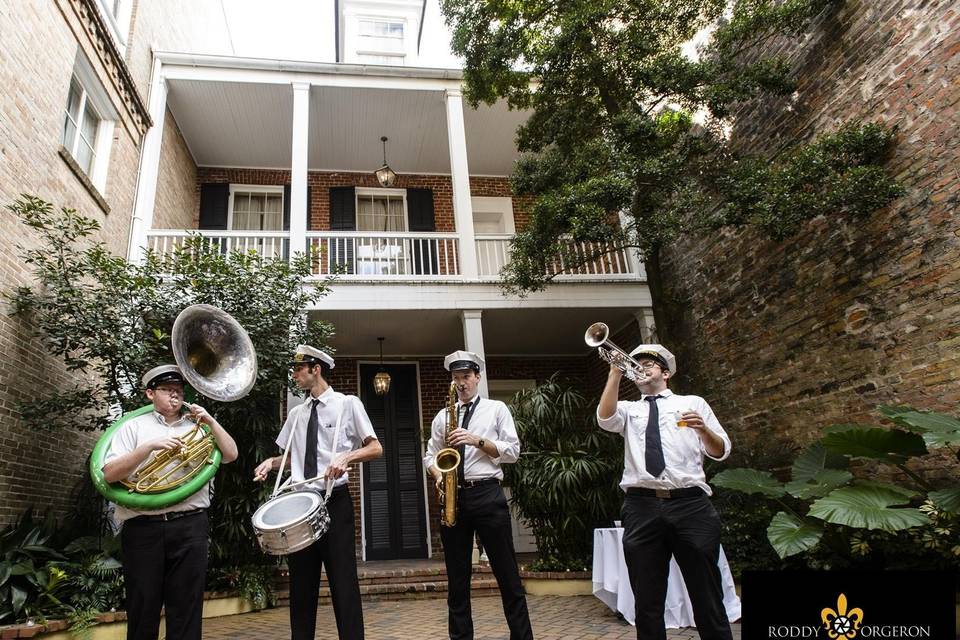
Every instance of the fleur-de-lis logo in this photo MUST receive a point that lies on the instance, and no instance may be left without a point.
(842, 623)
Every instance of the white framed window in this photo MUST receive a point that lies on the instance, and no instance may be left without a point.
(88, 123)
(255, 208)
(381, 210)
(492, 215)
(117, 14)
(381, 40)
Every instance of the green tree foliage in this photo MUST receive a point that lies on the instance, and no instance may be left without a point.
(110, 321)
(566, 480)
(834, 518)
(613, 98)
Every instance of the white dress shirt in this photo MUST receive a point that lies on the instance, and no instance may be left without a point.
(355, 428)
(491, 421)
(151, 426)
(683, 450)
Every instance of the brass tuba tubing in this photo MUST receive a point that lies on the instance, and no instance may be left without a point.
(598, 336)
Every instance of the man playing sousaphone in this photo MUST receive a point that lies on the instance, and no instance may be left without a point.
(315, 455)
(164, 550)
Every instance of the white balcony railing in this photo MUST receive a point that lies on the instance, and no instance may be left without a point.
(361, 255)
(269, 244)
(493, 251)
(364, 255)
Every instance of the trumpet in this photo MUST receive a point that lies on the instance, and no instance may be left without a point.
(598, 336)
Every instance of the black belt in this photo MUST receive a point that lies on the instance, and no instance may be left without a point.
(469, 484)
(169, 515)
(686, 492)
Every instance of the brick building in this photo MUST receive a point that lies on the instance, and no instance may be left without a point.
(279, 156)
(787, 338)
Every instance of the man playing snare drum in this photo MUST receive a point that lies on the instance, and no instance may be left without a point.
(313, 454)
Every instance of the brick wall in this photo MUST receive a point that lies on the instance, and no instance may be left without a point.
(321, 182)
(37, 52)
(821, 328)
(177, 201)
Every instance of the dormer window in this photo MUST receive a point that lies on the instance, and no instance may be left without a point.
(381, 41)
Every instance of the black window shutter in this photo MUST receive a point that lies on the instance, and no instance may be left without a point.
(343, 217)
(214, 202)
(286, 207)
(343, 209)
(420, 218)
(420, 210)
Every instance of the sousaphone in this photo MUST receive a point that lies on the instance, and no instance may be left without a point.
(217, 358)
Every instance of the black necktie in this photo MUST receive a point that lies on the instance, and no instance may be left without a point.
(653, 454)
(310, 455)
(463, 448)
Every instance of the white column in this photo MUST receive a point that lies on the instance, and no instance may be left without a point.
(460, 176)
(473, 341)
(633, 254)
(149, 169)
(648, 326)
(298, 168)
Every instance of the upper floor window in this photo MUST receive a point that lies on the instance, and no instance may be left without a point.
(88, 123)
(381, 210)
(257, 208)
(117, 15)
(80, 126)
(381, 41)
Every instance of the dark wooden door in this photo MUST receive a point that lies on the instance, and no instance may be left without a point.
(395, 523)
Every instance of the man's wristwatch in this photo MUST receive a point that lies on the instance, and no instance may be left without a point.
(481, 443)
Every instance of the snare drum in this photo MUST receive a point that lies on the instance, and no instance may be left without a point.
(290, 522)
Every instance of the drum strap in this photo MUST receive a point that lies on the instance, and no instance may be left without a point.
(277, 487)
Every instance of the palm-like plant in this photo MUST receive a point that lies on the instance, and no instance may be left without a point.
(565, 482)
(823, 492)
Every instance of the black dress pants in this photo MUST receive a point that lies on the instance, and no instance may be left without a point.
(483, 509)
(335, 553)
(689, 530)
(165, 564)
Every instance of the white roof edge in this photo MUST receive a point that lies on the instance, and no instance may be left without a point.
(268, 64)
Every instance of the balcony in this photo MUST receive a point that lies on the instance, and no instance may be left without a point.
(398, 257)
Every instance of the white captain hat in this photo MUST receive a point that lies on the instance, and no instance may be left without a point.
(163, 373)
(305, 354)
(657, 353)
(463, 360)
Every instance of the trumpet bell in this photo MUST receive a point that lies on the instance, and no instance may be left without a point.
(596, 334)
(214, 352)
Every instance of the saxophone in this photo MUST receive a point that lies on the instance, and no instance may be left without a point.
(447, 460)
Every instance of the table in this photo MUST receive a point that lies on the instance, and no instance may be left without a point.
(612, 585)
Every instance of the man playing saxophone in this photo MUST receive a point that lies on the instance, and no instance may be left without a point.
(486, 438)
(164, 551)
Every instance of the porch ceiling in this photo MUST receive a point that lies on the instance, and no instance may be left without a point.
(237, 124)
(533, 332)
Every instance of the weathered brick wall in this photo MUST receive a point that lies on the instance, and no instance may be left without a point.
(819, 329)
(321, 182)
(37, 53)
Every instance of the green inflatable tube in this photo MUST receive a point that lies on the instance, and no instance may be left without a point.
(119, 494)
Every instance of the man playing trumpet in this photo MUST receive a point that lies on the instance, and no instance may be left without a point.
(165, 550)
(487, 438)
(667, 509)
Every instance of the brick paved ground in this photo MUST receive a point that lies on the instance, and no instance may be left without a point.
(553, 618)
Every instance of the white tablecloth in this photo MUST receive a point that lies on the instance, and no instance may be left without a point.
(612, 585)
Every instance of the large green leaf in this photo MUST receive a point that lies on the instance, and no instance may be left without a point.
(867, 507)
(17, 598)
(790, 535)
(4, 572)
(946, 499)
(937, 429)
(813, 460)
(749, 481)
(887, 445)
(825, 481)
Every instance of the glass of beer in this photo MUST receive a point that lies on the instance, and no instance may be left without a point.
(678, 415)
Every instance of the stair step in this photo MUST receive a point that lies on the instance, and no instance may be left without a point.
(479, 586)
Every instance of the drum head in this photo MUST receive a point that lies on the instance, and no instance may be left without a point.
(287, 509)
